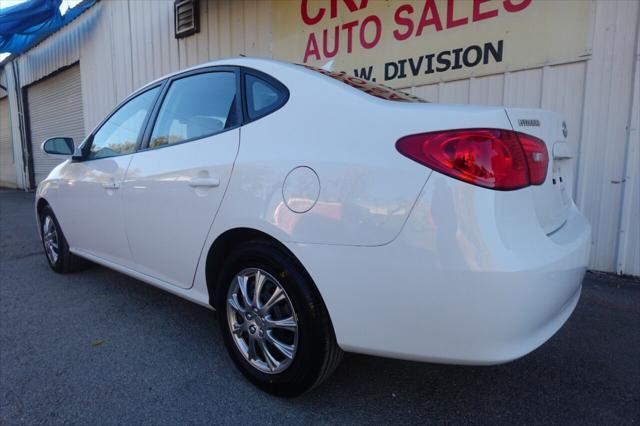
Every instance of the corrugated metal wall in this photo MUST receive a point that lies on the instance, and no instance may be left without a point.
(605, 131)
(8, 79)
(8, 177)
(595, 96)
(55, 109)
(58, 51)
(122, 45)
(133, 43)
(629, 244)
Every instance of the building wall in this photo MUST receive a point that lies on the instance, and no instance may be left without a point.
(595, 96)
(122, 45)
(629, 244)
(63, 89)
(7, 162)
(8, 79)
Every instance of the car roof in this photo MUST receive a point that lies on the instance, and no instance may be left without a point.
(250, 62)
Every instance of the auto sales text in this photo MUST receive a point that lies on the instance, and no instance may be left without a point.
(330, 37)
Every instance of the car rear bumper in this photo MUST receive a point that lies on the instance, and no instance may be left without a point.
(471, 279)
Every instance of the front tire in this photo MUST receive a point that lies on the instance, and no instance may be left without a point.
(55, 245)
(273, 321)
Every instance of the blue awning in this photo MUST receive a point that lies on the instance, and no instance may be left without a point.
(25, 24)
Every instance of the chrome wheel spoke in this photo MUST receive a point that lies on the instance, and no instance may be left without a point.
(242, 283)
(288, 323)
(271, 361)
(266, 334)
(286, 350)
(259, 283)
(50, 239)
(277, 296)
(233, 302)
(47, 225)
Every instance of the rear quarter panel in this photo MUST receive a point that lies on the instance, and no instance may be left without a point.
(367, 189)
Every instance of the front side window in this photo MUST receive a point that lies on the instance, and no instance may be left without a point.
(262, 97)
(195, 107)
(119, 134)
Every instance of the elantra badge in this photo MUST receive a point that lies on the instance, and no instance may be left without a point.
(528, 122)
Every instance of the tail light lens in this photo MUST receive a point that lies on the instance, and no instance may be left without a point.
(491, 158)
(537, 158)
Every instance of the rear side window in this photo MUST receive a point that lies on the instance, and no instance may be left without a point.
(373, 89)
(262, 96)
(194, 107)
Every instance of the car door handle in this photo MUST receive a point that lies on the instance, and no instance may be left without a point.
(110, 185)
(200, 182)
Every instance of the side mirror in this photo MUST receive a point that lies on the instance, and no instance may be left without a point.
(58, 147)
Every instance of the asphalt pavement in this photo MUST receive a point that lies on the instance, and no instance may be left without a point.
(98, 347)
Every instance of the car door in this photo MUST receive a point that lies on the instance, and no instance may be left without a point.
(90, 195)
(175, 183)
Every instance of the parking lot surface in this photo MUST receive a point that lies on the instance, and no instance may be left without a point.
(98, 347)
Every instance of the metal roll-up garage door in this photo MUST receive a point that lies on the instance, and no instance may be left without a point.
(8, 177)
(55, 109)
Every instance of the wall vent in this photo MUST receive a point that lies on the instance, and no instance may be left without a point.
(187, 17)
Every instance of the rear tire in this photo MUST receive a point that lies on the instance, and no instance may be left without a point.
(56, 248)
(304, 325)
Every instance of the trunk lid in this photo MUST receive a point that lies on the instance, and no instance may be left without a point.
(552, 199)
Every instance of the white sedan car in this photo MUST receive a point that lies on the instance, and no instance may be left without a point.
(319, 213)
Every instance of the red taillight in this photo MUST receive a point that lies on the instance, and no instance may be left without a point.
(492, 158)
(537, 158)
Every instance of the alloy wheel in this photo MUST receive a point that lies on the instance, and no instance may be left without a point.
(262, 321)
(51, 239)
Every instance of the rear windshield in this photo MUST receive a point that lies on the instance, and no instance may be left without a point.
(378, 90)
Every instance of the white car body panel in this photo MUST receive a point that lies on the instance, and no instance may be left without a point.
(503, 288)
(553, 198)
(169, 210)
(410, 263)
(98, 224)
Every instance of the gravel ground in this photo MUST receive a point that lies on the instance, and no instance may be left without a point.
(100, 347)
